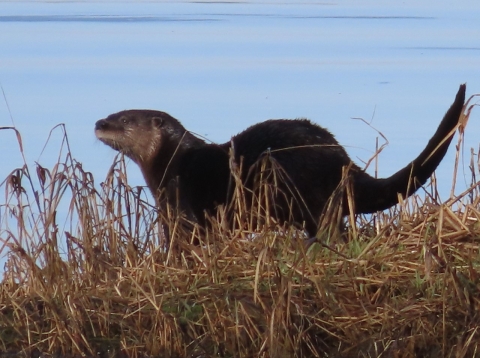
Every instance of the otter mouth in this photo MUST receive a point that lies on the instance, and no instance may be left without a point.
(105, 138)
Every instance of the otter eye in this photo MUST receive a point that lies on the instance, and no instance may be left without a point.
(124, 120)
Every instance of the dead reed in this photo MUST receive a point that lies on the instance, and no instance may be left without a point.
(90, 272)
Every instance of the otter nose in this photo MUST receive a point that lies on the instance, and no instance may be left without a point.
(101, 124)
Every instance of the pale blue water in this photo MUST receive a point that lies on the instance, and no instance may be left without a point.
(219, 67)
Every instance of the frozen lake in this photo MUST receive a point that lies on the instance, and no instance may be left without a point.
(219, 67)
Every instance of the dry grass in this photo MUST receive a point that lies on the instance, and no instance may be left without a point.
(89, 273)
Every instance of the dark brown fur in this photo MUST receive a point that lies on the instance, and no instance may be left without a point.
(172, 158)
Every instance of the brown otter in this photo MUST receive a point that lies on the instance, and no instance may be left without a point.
(174, 161)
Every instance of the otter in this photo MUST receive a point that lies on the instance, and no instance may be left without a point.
(196, 176)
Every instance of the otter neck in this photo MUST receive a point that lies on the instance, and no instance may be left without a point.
(160, 169)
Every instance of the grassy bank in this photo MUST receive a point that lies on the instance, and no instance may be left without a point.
(90, 272)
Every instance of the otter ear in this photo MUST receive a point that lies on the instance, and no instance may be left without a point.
(157, 121)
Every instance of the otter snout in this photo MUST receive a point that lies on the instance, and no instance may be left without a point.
(104, 131)
(102, 124)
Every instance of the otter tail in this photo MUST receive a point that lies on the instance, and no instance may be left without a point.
(378, 194)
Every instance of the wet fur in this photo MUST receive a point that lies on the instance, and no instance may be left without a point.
(310, 159)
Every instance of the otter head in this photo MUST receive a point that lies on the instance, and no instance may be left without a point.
(139, 134)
